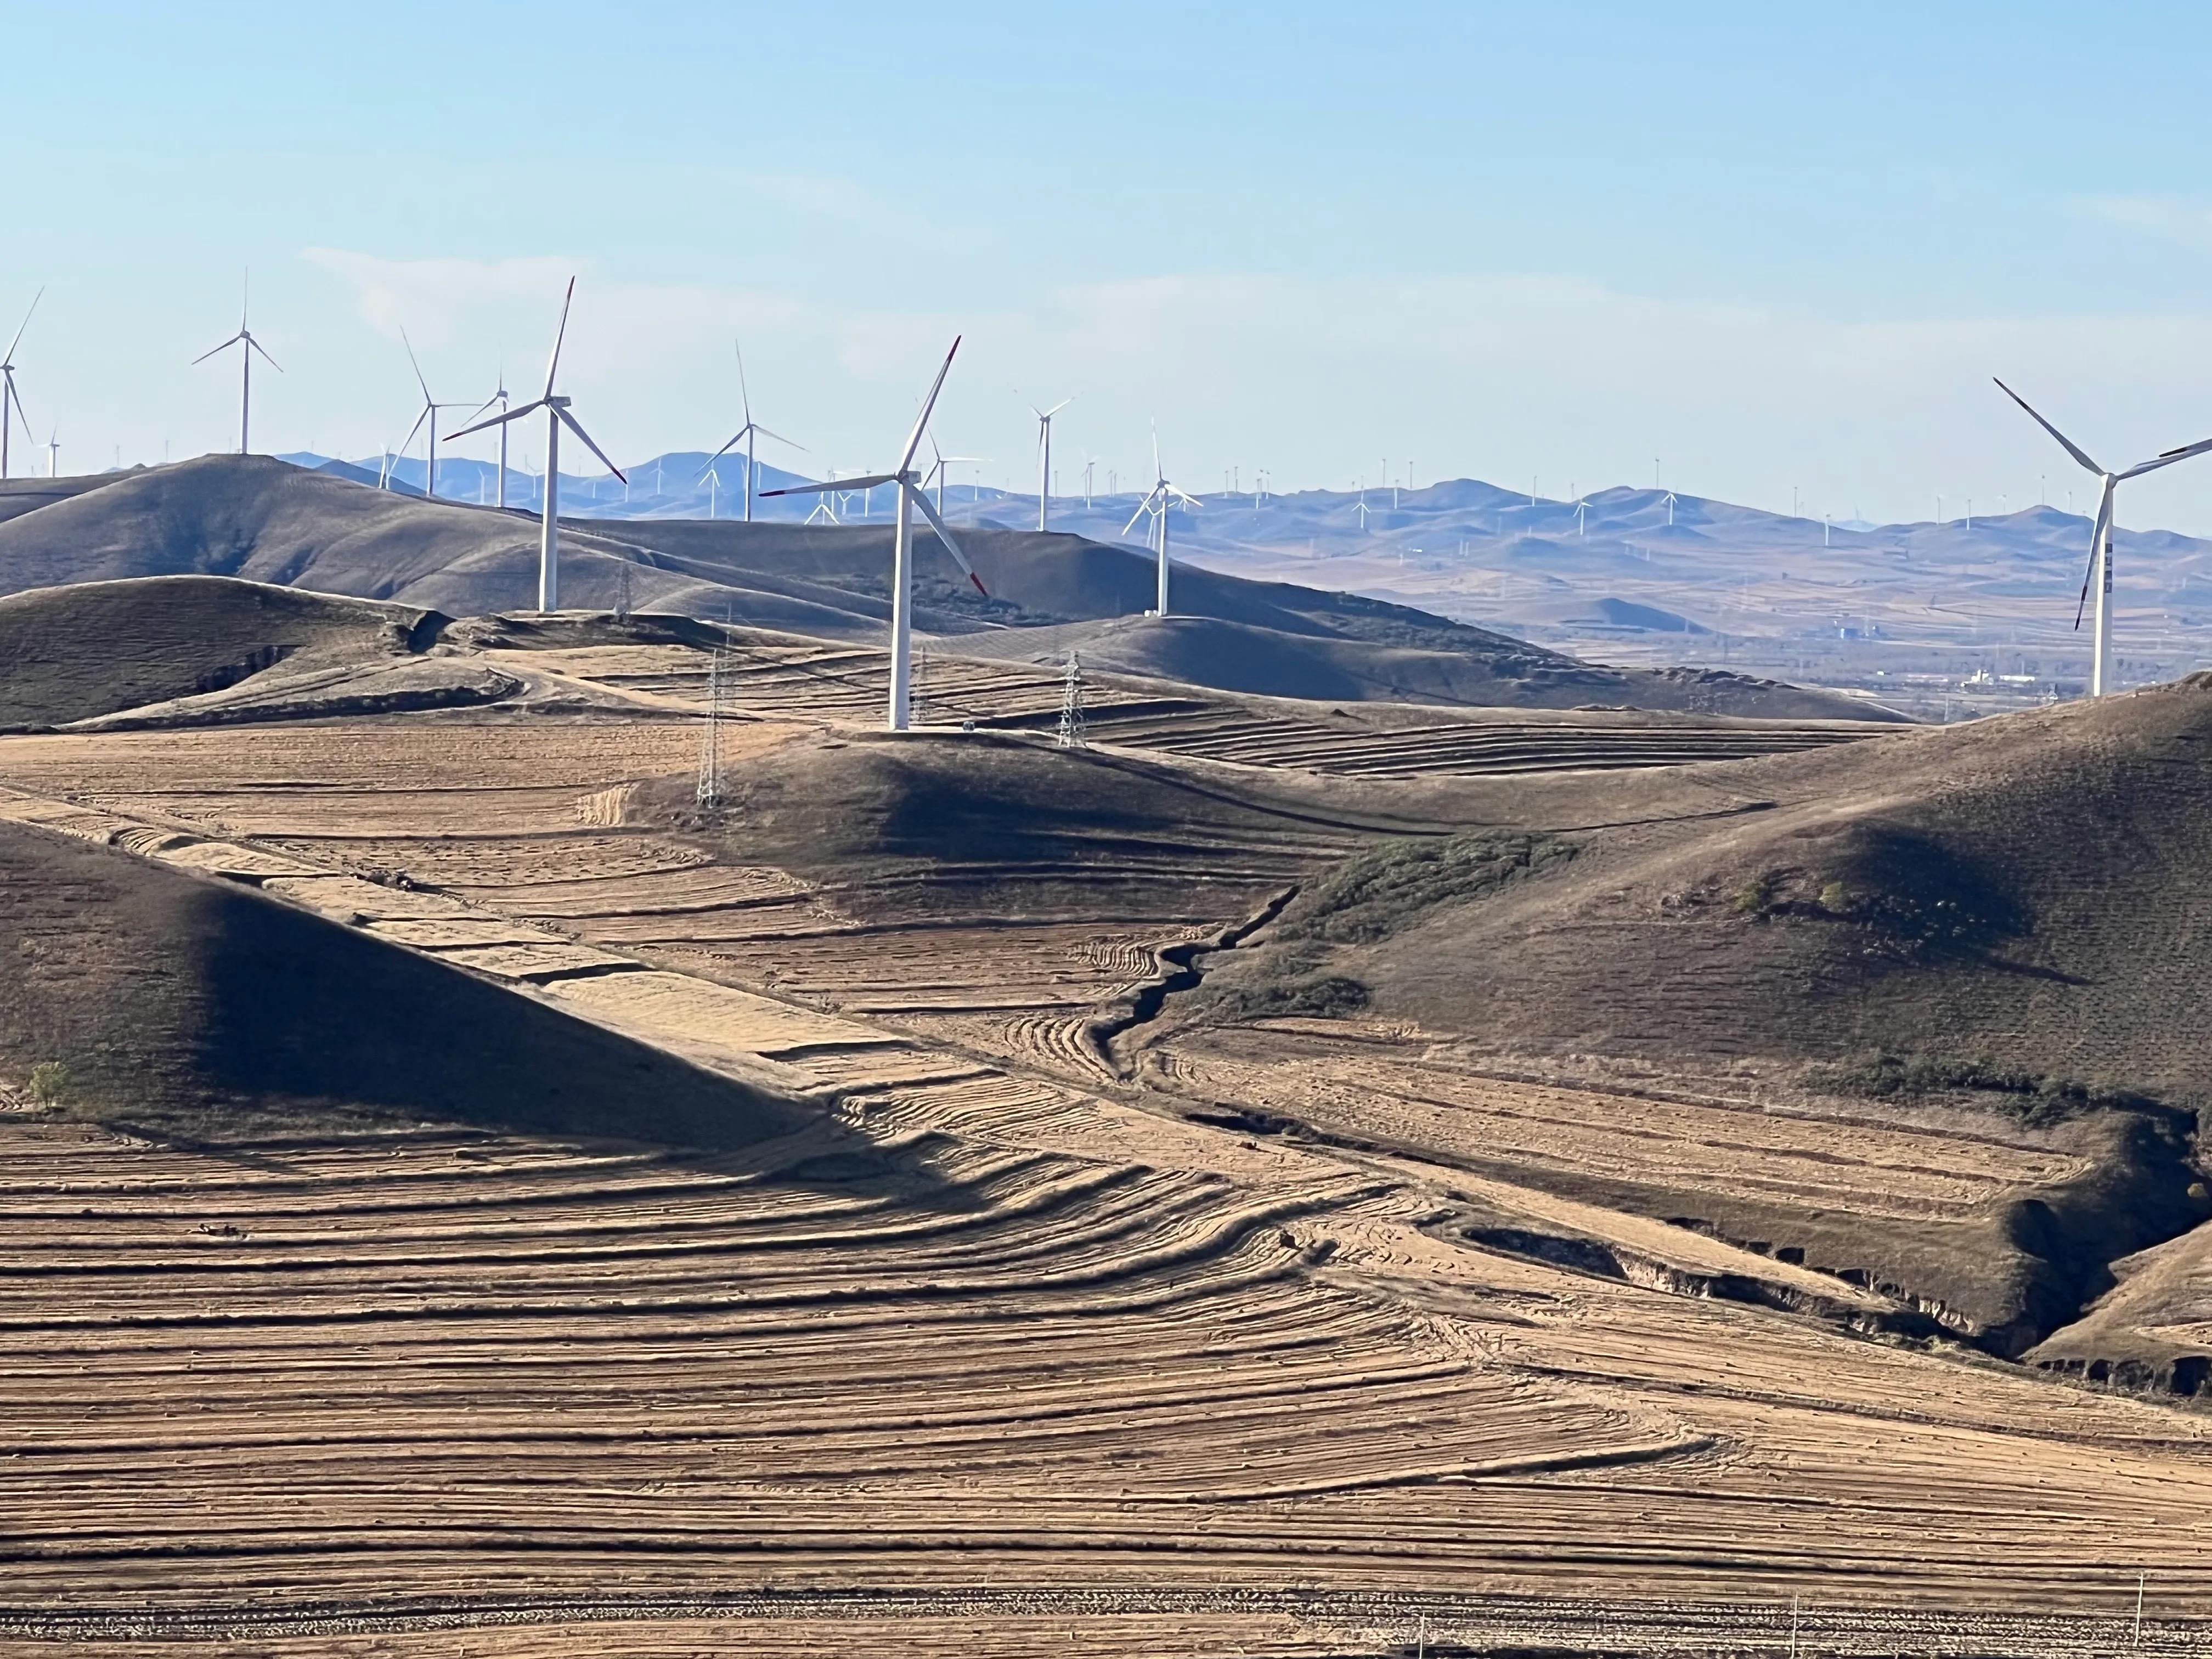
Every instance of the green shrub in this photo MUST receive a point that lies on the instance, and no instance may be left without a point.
(50, 1082)
(1387, 889)
(1756, 897)
(2035, 1098)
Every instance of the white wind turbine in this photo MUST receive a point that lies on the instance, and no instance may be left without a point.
(557, 415)
(1160, 500)
(2099, 570)
(750, 432)
(54, 454)
(247, 346)
(940, 470)
(430, 408)
(1044, 454)
(12, 399)
(910, 494)
(1582, 515)
(500, 398)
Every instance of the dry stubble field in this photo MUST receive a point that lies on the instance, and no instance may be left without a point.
(996, 1357)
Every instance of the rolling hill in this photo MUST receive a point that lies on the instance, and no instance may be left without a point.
(269, 521)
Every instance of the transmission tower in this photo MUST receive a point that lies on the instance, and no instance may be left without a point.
(1070, 734)
(708, 793)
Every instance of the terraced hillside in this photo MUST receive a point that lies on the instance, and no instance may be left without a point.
(966, 1196)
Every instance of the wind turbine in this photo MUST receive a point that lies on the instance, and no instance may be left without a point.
(500, 398)
(247, 346)
(557, 415)
(749, 431)
(1044, 454)
(941, 470)
(1669, 502)
(430, 408)
(54, 454)
(10, 397)
(1581, 513)
(909, 493)
(2100, 538)
(1160, 500)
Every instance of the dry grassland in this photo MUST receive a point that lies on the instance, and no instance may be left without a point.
(998, 1356)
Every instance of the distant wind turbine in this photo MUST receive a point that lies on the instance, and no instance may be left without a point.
(749, 433)
(54, 454)
(430, 408)
(1159, 502)
(498, 398)
(557, 416)
(2100, 538)
(11, 401)
(1670, 503)
(941, 469)
(909, 494)
(247, 346)
(1582, 512)
(1044, 454)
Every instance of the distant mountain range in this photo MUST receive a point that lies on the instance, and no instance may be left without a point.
(1631, 574)
(323, 529)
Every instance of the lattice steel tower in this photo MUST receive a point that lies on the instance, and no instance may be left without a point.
(709, 793)
(1071, 706)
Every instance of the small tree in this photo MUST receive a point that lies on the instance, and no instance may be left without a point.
(49, 1082)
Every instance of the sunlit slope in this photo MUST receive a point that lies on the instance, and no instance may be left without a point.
(268, 521)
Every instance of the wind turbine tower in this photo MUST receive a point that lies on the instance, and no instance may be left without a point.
(247, 346)
(498, 398)
(750, 431)
(54, 454)
(430, 408)
(2100, 538)
(908, 495)
(1160, 500)
(557, 416)
(11, 401)
(1044, 455)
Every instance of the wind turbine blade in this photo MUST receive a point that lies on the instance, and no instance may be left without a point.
(2167, 457)
(1192, 500)
(744, 398)
(2065, 442)
(1143, 508)
(252, 344)
(16, 395)
(225, 346)
(780, 439)
(415, 428)
(479, 408)
(921, 500)
(2096, 540)
(717, 455)
(922, 420)
(18, 340)
(841, 485)
(1047, 414)
(577, 426)
(497, 419)
(414, 364)
(553, 363)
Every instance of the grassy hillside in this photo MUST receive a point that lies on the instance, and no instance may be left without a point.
(99, 647)
(265, 520)
(184, 1006)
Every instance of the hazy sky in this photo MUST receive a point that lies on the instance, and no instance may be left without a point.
(1776, 246)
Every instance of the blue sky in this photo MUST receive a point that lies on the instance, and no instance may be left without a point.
(1776, 248)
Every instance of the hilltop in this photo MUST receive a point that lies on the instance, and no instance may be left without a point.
(269, 521)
